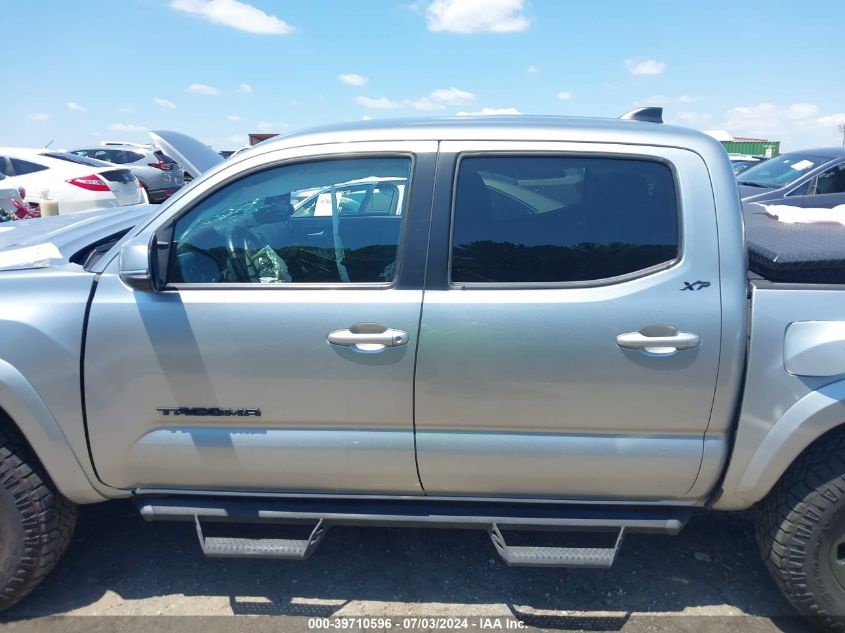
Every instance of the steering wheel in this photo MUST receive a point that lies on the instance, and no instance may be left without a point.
(240, 243)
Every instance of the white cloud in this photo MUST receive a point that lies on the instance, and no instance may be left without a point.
(645, 67)
(382, 103)
(245, 89)
(477, 16)
(490, 111)
(74, 106)
(39, 116)
(202, 89)
(832, 120)
(235, 14)
(233, 117)
(797, 126)
(532, 70)
(352, 79)
(802, 110)
(366, 117)
(442, 97)
(451, 96)
(164, 103)
(564, 95)
(435, 100)
(693, 119)
(127, 127)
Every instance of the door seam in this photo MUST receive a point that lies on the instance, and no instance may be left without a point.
(419, 321)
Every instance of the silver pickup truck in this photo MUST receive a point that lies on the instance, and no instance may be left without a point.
(511, 324)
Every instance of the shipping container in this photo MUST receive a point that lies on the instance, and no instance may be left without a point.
(753, 147)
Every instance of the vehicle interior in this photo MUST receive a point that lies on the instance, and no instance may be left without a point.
(248, 238)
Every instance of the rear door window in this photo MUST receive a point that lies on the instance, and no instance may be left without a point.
(551, 219)
(22, 167)
(831, 181)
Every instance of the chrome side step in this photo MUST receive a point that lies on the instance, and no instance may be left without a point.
(527, 556)
(280, 549)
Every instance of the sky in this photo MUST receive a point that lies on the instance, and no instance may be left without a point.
(101, 70)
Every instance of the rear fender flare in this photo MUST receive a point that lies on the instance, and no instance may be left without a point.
(802, 424)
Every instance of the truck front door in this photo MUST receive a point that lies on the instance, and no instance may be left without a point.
(280, 354)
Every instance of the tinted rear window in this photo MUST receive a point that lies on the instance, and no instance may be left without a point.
(561, 219)
(23, 167)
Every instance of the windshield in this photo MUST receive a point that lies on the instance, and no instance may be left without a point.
(781, 171)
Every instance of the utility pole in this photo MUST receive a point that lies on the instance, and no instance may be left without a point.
(842, 129)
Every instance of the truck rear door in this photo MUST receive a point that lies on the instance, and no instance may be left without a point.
(570, 333)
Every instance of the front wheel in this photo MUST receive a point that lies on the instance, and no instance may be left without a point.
(801, 532)
(36, 521)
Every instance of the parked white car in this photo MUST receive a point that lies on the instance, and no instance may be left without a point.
(76, 182)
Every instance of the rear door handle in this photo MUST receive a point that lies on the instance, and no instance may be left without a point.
(368, 337)
(660, 340)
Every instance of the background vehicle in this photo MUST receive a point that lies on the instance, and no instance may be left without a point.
(743, 162)
(530, 341)
(159, 175)
(372, 196)
(809, 178)
(194, 156)
(76, 182)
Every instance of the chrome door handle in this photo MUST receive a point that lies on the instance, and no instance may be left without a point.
(659, 340)
(368, 337)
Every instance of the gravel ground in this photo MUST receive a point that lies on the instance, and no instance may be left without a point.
(709, 578)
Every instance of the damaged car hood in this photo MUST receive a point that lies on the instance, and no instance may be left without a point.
(54, 240)
(194, 157)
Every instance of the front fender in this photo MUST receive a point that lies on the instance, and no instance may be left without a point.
(804, 422)
(33, 418)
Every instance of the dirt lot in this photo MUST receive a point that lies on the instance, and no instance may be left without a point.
(709, 578)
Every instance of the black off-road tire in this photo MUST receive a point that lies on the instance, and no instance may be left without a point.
(36, 522)
(801, 533)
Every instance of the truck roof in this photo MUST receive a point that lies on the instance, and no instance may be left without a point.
(513, 127)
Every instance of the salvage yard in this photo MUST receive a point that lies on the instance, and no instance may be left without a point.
(118, 565)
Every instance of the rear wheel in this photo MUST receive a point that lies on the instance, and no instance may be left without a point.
(801, 532)
(36, 522)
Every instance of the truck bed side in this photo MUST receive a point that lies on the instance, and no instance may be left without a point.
(782, 412)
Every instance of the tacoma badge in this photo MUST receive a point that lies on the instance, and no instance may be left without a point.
(208, 411)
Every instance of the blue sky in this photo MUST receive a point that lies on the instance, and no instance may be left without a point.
(218, 69)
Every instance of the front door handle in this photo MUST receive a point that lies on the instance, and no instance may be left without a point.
(368, 337)
(659, 340)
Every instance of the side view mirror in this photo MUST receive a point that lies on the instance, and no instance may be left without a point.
(135, 264)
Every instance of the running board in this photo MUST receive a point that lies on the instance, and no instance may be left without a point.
(491, 516)
(417, 513)
(528, 556)
(280, 549)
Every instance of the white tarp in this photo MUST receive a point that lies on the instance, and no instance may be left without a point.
(792, 215)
